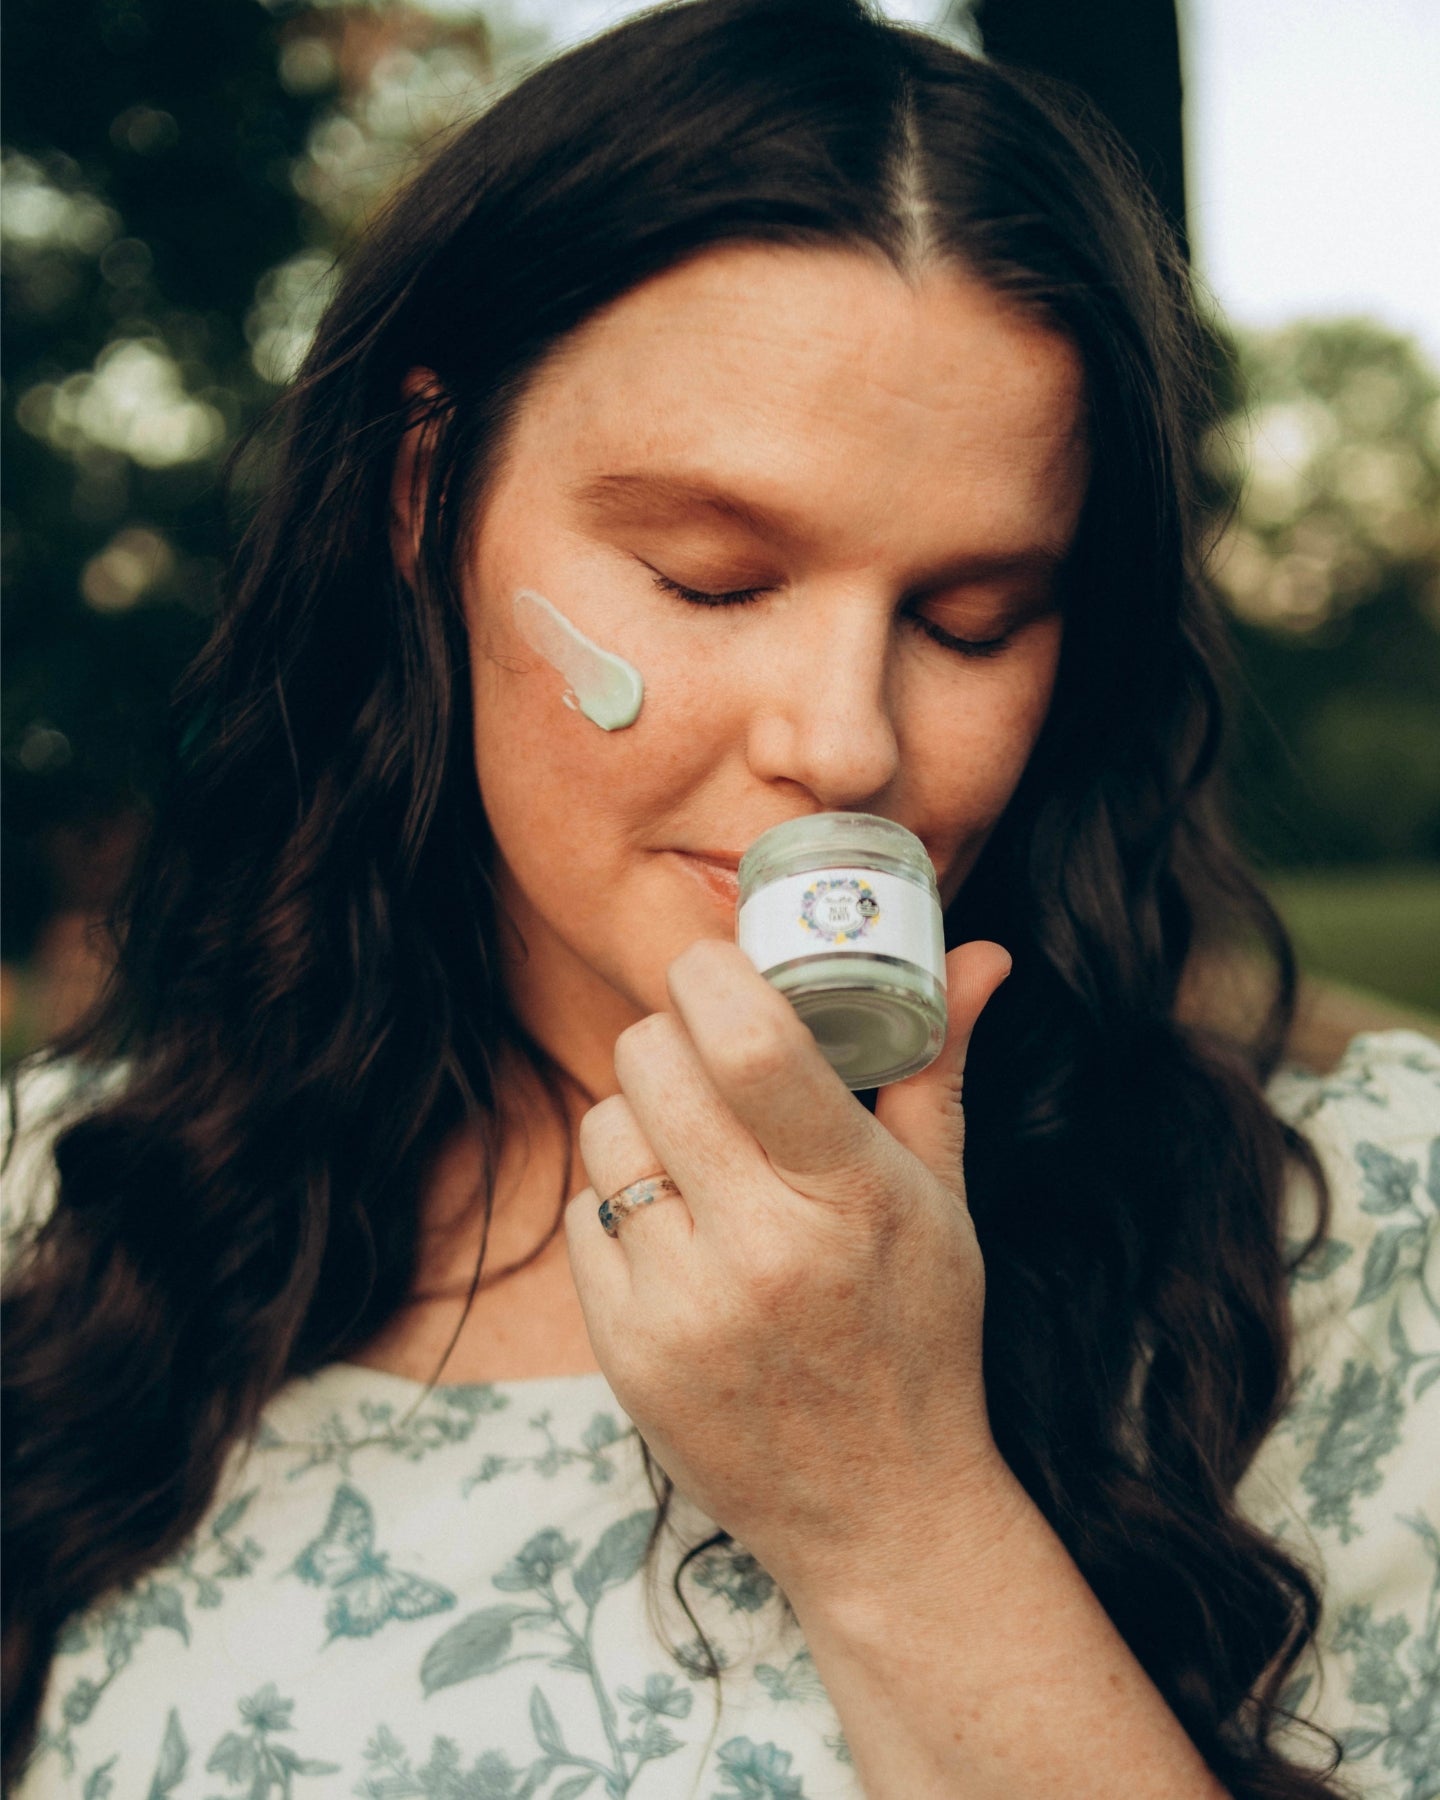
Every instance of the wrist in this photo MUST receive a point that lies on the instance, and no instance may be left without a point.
(944, 1553)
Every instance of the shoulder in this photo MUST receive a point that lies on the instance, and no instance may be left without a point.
(1373, 1122)
(1390, 1075)
(1348, 1479)
(37, 1100)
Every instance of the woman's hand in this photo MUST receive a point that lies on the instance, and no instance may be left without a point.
(798, 1338)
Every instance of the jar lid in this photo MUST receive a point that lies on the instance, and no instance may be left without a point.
(834, 839)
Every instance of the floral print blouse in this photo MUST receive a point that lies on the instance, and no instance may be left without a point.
(404, 1592)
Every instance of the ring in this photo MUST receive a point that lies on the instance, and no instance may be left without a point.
(639, 1193)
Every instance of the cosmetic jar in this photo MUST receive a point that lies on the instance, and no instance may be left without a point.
(840, 912)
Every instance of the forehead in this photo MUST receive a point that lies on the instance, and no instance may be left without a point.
(820, 384)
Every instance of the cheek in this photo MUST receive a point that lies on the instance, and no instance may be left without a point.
(556, 787)
(978, 736)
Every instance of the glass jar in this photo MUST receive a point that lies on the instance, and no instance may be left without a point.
(840, 912)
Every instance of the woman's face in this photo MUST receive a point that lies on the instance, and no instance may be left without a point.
(893, 472)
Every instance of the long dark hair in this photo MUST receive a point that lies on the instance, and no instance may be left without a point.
(307, 1000)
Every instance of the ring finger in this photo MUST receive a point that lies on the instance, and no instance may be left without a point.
(617, 1158)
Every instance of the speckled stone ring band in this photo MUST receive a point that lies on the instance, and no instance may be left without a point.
(639, 1193)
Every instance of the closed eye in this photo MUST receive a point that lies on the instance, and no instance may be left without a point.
(976, 647)
(697, 596)
(972, 647)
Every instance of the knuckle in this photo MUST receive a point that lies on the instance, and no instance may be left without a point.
(775, 1278)
(646, 1039)
(758, 1051)
(608, 1122)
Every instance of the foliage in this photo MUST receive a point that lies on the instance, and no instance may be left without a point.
(1331, 565)
(178, 180)
(175, 202)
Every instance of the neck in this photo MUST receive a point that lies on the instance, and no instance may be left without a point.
(565, 1005)
(526, 1320)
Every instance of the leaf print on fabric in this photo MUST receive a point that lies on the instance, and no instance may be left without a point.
(1322, 1261)
(1365, 1073)
(248, 1759)
(100, 1783)
(451, 1419)
(663, 1698)
(1395, 1676)
(393, 1776)
(543, 1723)
(797, 1681)
(477, 1645)
(1344, 1084)
(757, 1772)
(118, 1626)
(220, 1556)
(603, 1433)
(174, 1757)
(1351, 1428)
(616, 1558)
(1358, 1423)
(366, 1593)
(663, 1695)
(733, 1572)
(485, 1641)
(572, 1789)
(536, 1564)
(840, 1750)
(693, 1660)
(1394, 1253)
(1397, 1252)
(1388, 1180)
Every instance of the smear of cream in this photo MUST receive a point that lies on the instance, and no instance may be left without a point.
(606, 689)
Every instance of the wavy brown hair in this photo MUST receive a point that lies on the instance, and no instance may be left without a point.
(306, 997)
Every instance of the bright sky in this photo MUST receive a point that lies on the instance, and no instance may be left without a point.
(1314, 150)
(1314, 158)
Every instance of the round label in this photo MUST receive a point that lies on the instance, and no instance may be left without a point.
(825, 912)
(839, 909)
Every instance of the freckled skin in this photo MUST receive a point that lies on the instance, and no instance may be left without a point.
(906, 426)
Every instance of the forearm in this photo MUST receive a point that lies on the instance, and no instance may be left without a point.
(995, 1675)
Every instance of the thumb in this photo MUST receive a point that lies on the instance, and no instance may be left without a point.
(924, 1113)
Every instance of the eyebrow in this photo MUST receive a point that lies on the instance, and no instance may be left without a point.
(625, 497)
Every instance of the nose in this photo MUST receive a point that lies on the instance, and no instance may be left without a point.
(824, 719)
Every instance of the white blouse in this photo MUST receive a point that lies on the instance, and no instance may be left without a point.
(401, 1592)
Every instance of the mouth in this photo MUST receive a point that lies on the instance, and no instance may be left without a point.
(716, 871)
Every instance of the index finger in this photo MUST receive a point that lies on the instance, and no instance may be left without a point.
(769, 1070)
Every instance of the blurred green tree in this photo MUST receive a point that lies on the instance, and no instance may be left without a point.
(1331, 565)
(178, 181)
(146, 182)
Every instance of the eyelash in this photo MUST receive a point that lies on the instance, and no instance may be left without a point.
(975, 648)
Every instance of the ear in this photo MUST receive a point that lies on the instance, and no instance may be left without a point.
(423, 396)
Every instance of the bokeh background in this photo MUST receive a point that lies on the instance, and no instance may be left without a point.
(180, 182)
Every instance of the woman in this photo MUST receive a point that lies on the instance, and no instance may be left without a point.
(833, 382)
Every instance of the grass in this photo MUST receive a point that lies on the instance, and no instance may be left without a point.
(1375, 929)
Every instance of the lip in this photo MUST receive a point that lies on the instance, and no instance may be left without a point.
(717, 871)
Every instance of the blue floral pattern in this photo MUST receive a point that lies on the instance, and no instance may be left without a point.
(1351, 1476)
(442, 1594)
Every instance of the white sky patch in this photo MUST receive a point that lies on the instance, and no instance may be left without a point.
(1313, 131)
(1314, 151)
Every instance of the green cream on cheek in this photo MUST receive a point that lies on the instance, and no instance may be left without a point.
(604, 687)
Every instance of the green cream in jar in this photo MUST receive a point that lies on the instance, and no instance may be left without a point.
(840, 912)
